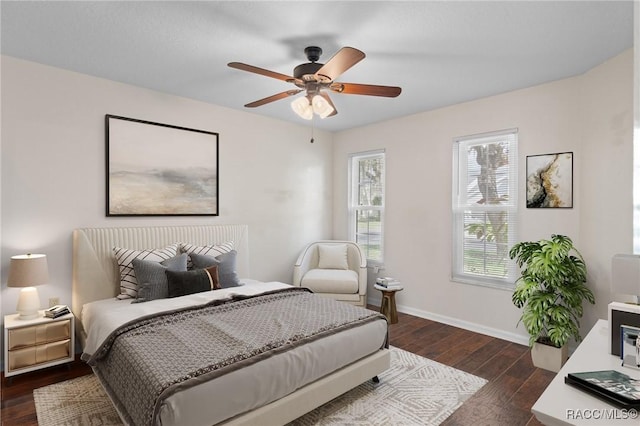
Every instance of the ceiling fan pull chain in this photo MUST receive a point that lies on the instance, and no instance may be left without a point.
(313, 120)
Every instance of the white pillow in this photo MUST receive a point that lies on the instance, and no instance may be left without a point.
(332, 256)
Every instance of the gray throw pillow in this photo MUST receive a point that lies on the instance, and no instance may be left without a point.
(181, 283)
(151, 277)
(226, 264)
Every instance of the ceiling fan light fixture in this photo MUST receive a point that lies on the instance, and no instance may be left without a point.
(302, 107)
(317, 80)
(321, 106)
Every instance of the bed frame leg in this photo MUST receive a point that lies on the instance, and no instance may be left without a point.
(376, 379)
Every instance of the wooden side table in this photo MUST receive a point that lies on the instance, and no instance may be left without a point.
(388, 305)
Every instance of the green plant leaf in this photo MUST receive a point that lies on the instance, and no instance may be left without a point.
(551, 288)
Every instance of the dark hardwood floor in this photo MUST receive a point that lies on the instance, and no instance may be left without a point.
(514, 383)
(18, 407)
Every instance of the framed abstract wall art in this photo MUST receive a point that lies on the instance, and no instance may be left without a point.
(550, 180)
(156, 169)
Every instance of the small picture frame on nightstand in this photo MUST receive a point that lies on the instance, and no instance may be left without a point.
(630, 346)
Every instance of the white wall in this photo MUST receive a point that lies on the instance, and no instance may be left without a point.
(1, 268)
(53, 179)
(606, 190)
(53, 171)
(636, 132)
(589, 115)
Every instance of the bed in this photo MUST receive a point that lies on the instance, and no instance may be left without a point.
(277, 388)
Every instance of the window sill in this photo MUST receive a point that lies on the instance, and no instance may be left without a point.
(375, 265)
(485, 282)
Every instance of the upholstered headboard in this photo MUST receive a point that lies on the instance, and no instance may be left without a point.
(95, 273)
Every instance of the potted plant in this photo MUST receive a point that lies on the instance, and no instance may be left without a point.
(550, 291)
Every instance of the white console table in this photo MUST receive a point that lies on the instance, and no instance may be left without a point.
(562, 404)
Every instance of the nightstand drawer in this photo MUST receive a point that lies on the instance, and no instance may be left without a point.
(36, 335)
(33, 355)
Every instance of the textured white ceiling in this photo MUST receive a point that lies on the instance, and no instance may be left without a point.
(440, 52)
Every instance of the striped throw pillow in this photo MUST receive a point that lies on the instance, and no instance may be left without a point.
(213, 250)
(124, 258)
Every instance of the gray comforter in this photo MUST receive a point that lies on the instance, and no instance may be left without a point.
(147, 360)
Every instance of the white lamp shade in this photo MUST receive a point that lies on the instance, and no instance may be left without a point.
(302, 107)
(27, 271)
(625, 274)
(321, 106)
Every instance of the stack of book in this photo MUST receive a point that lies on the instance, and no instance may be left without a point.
(609, 385)
(389, 283)
(56, 311)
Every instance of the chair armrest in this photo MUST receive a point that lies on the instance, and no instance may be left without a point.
(297, 275)
(362, 281)
(302, 265)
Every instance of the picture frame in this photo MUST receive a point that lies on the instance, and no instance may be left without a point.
(550, 180)
(156, 169)
(630, 346)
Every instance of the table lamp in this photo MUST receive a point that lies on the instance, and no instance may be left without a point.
(625, 275)
(27, 271)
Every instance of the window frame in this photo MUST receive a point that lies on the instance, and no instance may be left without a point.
(461, 206)
(353, 206)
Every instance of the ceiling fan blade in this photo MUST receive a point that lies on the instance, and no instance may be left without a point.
(328, 99)
(261, 71)
(272, 98)
(340, 62)
(366, 89)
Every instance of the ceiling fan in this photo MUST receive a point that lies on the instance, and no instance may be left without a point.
(316, 79)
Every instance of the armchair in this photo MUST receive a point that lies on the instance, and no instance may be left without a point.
(336, 269)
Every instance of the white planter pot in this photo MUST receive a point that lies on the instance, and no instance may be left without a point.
(549, 357)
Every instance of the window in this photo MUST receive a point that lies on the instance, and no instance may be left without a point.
(366, 203)
(485, 208)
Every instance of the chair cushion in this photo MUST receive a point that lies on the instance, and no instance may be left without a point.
(331, 281)
(332, 256)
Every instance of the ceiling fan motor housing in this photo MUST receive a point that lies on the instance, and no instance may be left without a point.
(306, 72)
(313, 53)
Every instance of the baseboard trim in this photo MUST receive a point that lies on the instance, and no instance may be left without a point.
(455, 322)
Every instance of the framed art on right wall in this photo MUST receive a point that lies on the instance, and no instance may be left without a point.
(550, 180)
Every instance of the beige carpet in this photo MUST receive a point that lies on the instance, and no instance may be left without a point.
(414, 391)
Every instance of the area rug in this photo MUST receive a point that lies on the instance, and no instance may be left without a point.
(414, 391)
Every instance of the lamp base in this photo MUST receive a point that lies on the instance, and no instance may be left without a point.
(23, 317)
(28, 303)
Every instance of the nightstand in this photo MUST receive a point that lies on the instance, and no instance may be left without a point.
(37, 343)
